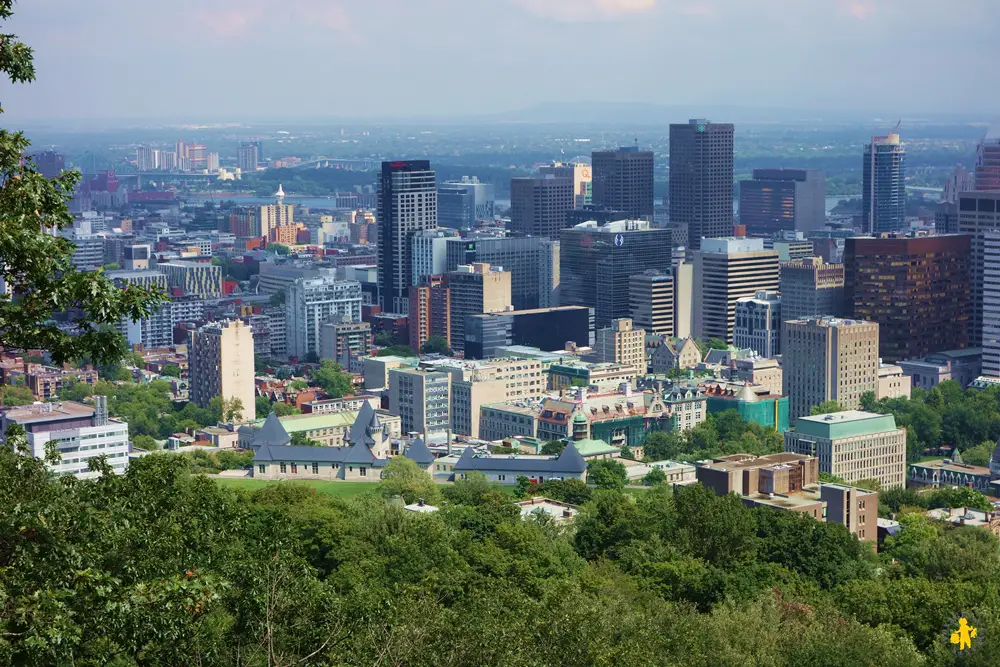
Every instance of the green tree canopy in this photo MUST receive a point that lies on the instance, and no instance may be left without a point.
(436, 345)
(333, 379)
(553, 447)
(607, 474)
(825, 408)
(402, 477)
(397, 351)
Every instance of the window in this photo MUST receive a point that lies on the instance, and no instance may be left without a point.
(262, 469)
(295, 467)
(315, 468)
(364, 471)
(283, 468)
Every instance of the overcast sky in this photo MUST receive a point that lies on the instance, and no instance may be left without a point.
(254, 59)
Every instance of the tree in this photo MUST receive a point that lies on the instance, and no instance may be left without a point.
(825, 408)
(717, 344)
(572, 491)
(397, 351)
(12, 397)
(171, 370)
(979, 455)
(112, 266)
(626, 453)
(262, 407)
(278, 248)
(868, 402)
(436, 345)
(302, 439)
(278, 298)
(553, 447)
(654, 477)
(282, 409)
(37, 264)
(333, 379)
(145, 442)
(384, 339)
(224, 410)
(660, 446)
(403, 477)
(607, 474)
(310, 358)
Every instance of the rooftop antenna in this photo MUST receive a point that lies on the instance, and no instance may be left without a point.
(895, 130)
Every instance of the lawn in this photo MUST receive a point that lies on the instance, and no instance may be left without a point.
(340, 489)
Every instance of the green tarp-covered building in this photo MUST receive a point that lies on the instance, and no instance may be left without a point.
(763, 408)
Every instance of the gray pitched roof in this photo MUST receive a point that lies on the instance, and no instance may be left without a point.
(418, 452)
(366, 417)
(272, 433)
(359, 453)
(301, 454)
(569, 462)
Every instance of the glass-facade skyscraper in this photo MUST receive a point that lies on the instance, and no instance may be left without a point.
(701, 179)
(883, 198)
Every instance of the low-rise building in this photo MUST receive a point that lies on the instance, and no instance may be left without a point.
(965, 516)
(944, 472)
(758, 371)
(606, 376)
(329, 429)
(962, 366)
(79, 433)
(478, 383)
(674, 354)
(853, 445)
(892, 382)
(506, 468)
(754, 403)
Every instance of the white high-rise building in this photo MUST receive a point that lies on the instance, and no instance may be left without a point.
(406, 203)
(310, 302)
(221, 363)
(430, 253)
(146, 158)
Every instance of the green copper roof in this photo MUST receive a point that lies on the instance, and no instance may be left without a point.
(589, 447)
(847, 424)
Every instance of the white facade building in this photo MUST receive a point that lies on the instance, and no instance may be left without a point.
(310, 302)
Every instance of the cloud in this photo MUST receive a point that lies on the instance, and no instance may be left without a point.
(859, 10)
(586, 10)
(227, 23)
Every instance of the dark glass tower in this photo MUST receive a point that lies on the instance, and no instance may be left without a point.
(623, 181)
(407, 203)
(701, 179)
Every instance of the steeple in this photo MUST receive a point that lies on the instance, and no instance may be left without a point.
(279, 196)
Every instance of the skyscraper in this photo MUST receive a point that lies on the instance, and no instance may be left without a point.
(533, 263)
(310, 302)
(465, 202)
(407, 203)
(623, 181)
(538, 205)
(778, 200)
(475, 289)
(247, 158)
(582, 179)
(726, 270)
(197, 157)
(758, 324)
(596, 263)
(987, 173)
(50, 163)
(651, 298)
(828, 359)
(883, 186)
(916, 288)
(978, 215)
(811, 288)
(221, 364)
(145, 158)
(701, 179)
(429, 253)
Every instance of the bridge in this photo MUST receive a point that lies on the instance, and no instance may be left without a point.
(350, 164)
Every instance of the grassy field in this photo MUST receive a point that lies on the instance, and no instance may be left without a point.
(341, 489)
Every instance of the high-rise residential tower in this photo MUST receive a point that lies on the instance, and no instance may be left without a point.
(406, 203)
(310, 302)
(247, 159)
(146, 158)
(475, 289)
(538, 205)
(779, 200)
(978, 216)
(916, 288)
(883, 185)
(701, 179)
(623, 181)
(221, 364)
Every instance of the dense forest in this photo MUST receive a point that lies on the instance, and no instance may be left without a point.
(161, 567)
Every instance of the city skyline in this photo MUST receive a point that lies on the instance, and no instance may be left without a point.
(235, 51)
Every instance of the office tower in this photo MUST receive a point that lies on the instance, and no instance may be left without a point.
(701, 179)
(987, 172)
(651, 301)
(601, 216)
(533, 263)
(811, 288)
(155, 330)
(623, 181)
(168, 161)
(777, 200)
(883, 185)
(916, 288)
(221, 363)
(430, 312)
(790, 246)
(430, 253)
(197, 155)
(50, 163)
(978, 215)
(247, 158)
(136, 257)
(88, 249)
(66, 426)
(991, 305)
(828, 359)
(622, 344)
(475, 289)
(464, 203)
(200, 279)
(247, 222)
(683, 299)
(538, 205)
(758, 324)
(345, 341)
(946, 217)
(962, 180)
(407, 203)
(545, 328)
(421, 399)
(581, 175)
(853, 446)
(725, 270)
(145, 158)
(212, 164)
(309, 302)
(597, 261)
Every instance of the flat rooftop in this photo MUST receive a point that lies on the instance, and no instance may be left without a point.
(846, 424)
(945, 464)
(43, 412)
(747, 461)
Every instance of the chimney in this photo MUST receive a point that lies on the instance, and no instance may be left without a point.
(448, 431)
(100, 410)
